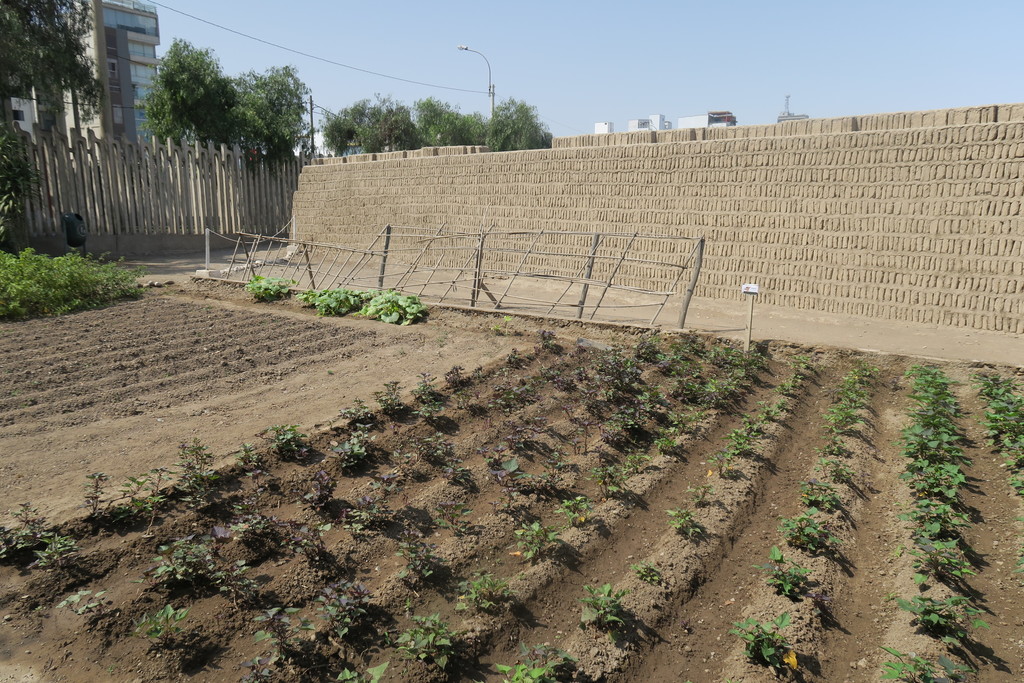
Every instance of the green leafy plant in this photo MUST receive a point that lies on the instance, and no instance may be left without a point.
(281, 631)
(535, 540)
(806, 532)
(817, 494)
(647, 572)
(431, 640)
(602, 608)
(912, 668)
(162, 625)
(764, 642)
(336, 302)
(948, 619)
(452, 515)
(787, 577)
(420, 560)
(699, 494)
(85, 602)
(483, 592)
(286, 440)
(34, 284)
(611, 479)
(196, 473)
(576, 510)
(395, 308)
(57, 552)
(389, 399)
(685, 522)
(342, 605)
(372, 675)
(269, 288)
(538, 664)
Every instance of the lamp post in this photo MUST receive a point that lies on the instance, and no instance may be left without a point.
(490, 85)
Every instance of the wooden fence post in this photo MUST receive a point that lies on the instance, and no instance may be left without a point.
(697, 260)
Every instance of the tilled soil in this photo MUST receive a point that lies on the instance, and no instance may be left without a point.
(118, 390)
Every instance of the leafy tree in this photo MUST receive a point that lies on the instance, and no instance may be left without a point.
(194, 101)
(441, 124)
(42, 46)
(191, 99)
(381, 126)
(271, 112)
(18, 179)
(515, 125)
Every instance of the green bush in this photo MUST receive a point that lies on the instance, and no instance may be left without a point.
(36, 284)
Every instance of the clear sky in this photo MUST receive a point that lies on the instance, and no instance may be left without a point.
(582, 62)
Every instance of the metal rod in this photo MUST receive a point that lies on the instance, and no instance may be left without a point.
(697, 261)
(479, 277)
(206, 234)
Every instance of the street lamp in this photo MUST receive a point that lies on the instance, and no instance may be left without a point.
(490, 85)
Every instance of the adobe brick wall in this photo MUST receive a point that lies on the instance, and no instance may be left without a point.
(908, 216)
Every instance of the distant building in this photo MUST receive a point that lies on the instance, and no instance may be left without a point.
(126, 57)
(653, 122)
(787, 115)
(604, 127)
(713, 119)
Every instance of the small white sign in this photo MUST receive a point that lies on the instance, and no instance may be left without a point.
(750, 288)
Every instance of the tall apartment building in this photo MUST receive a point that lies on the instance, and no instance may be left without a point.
(131, 34)
(125, 53)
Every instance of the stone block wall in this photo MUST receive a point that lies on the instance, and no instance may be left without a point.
(909, 216)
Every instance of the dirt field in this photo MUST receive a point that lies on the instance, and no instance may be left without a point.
(120, 390)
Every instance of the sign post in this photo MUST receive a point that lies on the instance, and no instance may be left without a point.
(750, 291)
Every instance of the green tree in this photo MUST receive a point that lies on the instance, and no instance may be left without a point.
(515, 125)
(381, 126)
(194, 101)
(191, 99)
(441, 124)
(18, 178)
(271, 113)
(42, 46)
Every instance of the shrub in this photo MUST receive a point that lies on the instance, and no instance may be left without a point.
(35, 284)
(395, 308)
(268, 288)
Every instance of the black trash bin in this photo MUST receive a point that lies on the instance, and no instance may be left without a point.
(74, 230)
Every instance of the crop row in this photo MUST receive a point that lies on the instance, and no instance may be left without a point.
(615, 414)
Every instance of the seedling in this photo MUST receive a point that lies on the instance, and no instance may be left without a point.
(819, 495)
(538, 664)
(806, 532)
(58, 551)
(647, 572)
(287, 441)
(429, 641)
(576, 510)
(915, 669)
(611, 479)
(342, 605)
(162, 625)
(372, 675)
(322, 490)
(602, 608)
(483, 592)
(685, 522)
(502, 328)
(94, 491)
(536, 539)
(764, 642)
(699, 494)
(420, 560)
(85, 602)
(452, 515)
(948, 619)
(389, 399)
(197, 476)
(281, 631)
(787, 577)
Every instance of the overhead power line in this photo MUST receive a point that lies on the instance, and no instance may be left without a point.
(316, 57)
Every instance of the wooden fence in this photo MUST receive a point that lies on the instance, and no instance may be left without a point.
(126, 188)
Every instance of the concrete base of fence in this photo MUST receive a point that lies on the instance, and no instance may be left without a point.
(116, 246)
